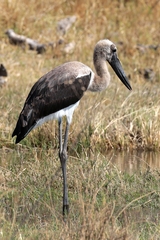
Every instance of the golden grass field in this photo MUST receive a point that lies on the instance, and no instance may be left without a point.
(105, 203)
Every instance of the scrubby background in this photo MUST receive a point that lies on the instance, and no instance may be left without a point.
(106, 203)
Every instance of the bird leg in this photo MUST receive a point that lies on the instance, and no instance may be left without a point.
(63, 160)
(60, 136)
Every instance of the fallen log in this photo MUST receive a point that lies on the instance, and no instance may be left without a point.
(21, 40)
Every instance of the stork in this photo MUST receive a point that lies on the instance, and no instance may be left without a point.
(58, 93)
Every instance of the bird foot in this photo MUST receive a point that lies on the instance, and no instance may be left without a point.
(65, 210)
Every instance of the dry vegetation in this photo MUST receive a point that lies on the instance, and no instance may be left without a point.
(105, 202)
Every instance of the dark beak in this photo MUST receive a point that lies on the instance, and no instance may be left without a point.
(117, 67)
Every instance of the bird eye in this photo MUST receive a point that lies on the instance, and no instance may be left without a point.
(113, 48)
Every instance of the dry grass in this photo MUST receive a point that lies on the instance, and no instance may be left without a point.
(105, 202)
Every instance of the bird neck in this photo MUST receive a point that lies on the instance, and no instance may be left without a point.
(101, 79)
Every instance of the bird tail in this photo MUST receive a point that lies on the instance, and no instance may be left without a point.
(24, 125)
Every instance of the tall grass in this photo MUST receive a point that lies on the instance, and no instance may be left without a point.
(106, 203)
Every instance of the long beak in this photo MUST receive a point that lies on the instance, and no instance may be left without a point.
(117, 67)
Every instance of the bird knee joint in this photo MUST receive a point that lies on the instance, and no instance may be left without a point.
(63, 156)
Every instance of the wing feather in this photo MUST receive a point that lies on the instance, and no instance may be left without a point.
(54, 91)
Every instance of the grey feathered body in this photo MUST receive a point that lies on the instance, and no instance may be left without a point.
(61, 87)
